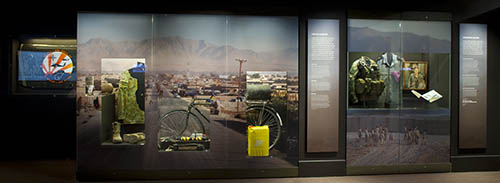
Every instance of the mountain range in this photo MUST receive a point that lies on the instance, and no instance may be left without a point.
(363, 39)
(180, 54)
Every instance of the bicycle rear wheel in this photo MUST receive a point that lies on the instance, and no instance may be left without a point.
(259, 116)
(179, 123)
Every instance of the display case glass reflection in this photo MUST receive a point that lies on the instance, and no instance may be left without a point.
(197, 113)
(399, 76)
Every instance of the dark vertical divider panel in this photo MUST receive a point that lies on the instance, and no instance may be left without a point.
(322, 86)
(493, 88)
(473, 88)
(322, 163)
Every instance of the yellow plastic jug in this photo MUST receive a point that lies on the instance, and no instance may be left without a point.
(258, 140)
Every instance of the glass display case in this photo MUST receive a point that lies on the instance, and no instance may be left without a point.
(44, 65)
(187, 92)
(398, 92)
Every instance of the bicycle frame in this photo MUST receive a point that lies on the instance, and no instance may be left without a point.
(264, 105)
(191, 106)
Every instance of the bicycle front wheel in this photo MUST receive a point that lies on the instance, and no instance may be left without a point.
(179, 123)
(259, 116)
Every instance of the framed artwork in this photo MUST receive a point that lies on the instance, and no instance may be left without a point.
(415, 75)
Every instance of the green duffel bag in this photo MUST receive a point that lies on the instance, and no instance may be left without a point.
(258, 92)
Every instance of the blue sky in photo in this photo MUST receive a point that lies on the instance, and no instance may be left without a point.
(245, 32)
(263, 33)
(258, 33)
(114, 27)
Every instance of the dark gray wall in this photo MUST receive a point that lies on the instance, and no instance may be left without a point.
(29, 131)
(488, 158)
(493, 125)
(464, 9)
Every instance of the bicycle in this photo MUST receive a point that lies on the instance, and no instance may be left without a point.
(184, 122)
(259, 113)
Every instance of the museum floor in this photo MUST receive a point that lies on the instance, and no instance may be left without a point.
(62, 171)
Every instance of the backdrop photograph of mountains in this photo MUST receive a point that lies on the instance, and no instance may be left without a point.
(197, 56)
(399, 36)
(175, 53)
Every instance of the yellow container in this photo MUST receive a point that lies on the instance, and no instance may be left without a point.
(258, 141)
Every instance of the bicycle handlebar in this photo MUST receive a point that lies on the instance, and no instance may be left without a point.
(207, 101)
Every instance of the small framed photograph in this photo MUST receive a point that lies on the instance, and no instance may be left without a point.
(415, 75)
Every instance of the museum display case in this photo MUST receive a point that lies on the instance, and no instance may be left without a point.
(44, 65)
(188, 92)
(398, 93)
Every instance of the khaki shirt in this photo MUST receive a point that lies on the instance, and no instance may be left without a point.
(390, 71)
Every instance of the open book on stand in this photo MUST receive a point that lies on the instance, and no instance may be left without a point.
(430, 96)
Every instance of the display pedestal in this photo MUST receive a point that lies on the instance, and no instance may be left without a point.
(107, 116)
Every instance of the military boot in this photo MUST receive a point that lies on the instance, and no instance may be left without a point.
(134, 137)
(116, 133)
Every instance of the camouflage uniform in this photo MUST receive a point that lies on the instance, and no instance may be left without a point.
(364, 81)
(127, 108)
